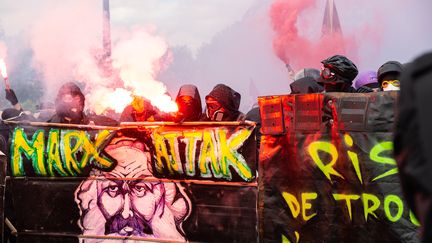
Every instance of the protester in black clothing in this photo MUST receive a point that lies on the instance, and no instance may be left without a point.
(189, 103)
(222, 104)
(412, 141)
(305, 85)
(69, 105)
(69, 108)
(337, 74)
(389, 74)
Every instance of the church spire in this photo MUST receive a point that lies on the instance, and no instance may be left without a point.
(331, 24)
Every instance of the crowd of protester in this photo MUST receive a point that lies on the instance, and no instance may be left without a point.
(337, 74)
(222, 103)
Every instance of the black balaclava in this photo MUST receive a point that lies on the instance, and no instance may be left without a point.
(71, 111)
(189, 103)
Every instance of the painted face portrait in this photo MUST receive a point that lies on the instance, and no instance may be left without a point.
(126, 202)
(128, 206)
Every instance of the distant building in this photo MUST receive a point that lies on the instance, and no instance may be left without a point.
(331, 24)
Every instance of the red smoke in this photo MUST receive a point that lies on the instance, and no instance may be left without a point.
(284, 14)
(299, 51)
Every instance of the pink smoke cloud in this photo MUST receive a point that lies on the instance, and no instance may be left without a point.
(300, 51)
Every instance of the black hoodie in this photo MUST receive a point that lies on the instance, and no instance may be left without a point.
(229, 99)
(64, 109)
(192, 110)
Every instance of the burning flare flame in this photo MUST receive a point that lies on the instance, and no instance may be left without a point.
(164, 103)
(117, 99)
(3, 69)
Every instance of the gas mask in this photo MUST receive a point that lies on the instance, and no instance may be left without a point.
(390, 85)
(216, 116)
(215, 111)
(331, 81)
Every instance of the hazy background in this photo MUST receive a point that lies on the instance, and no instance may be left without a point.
(207, 42)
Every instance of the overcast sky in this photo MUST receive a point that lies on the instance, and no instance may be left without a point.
(230, 40)
(193, 22)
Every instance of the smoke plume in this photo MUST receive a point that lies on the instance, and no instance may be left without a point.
(67, 44)
(296, 49)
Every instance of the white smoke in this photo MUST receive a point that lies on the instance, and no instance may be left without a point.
(65, 39)
(140, 56)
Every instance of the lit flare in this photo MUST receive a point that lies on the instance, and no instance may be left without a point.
(3, 71)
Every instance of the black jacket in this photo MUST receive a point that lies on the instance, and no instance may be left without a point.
(412, 141)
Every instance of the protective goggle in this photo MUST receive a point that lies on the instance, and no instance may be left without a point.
(386, 83)
(326, 73)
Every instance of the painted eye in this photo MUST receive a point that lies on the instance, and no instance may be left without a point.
(113, 190)
(139, 188)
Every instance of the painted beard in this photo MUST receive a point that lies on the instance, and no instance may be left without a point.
(134, 225)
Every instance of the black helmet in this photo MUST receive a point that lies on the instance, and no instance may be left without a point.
(343, 67)
(389, 67)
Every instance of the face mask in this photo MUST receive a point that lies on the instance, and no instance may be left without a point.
(187, 108)
(217, 115)
(327, 74)
(214, 111)
(71, 109)
(390, 87)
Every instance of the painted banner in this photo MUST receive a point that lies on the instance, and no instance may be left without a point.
(153, 182)
(327, 172)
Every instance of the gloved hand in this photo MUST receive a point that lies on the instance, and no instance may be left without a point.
(11, 96)
(364, 89)
(327, 115)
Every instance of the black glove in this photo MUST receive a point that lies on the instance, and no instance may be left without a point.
(327, 115)
(364, 89)
(11, 96)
